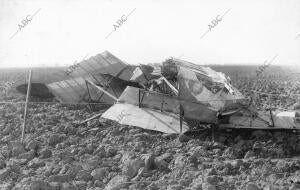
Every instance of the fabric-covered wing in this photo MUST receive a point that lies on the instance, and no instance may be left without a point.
(148, 110)
(103, 69)
(129, 114)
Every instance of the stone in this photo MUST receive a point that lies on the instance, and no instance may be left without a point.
(132, 167)
(80, 185)
(60, 178)
(249, 154)
(17, 149)
(27, 155)
(100, 151)
(212, 179)
(4, 173)
(282, 166)
(166, 157)
(2, 164)
(36, 163)
(99, 174)
(206, 186)
(117, 182)
(237, 163)
(252, 186)
(179, 161)
(33, 145)
(40, 185)
(149, 162)
(83, 175)
(67, 186)
(70, 130)
(161, 164)
(183, 138)
(98, 183)
(111, 152)
(55, 139)
(259, 133)
(45, 153)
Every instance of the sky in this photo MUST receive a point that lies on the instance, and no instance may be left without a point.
(64, 31)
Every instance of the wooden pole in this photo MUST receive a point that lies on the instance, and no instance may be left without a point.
(26, 105)
(180, 117)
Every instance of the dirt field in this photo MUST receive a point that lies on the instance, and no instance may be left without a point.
(60, 154)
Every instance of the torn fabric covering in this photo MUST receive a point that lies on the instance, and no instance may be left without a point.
(211, 89)
(145, 73)
(129, 114)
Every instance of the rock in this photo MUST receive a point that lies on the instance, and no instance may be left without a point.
(60, 178)
(66, 156)
(17, 149)
(45, 153)
(33, 145)
(212, 179)
(183, 138)
(237, 163)
(117, 182)
(132, 167)
(28, 155)
(4, 173)
(55, 185)
(211, 172)
(80, 185)
(111, 152)
(161, 164)
(179, 161)
(169, 136)
(149, 162)
(65, 169)
(70, 130)
(249, 154)
(36, 163)
(294, 187)
(251, 186)
(73, 171)
(55, 139)
(206, 186)
(40, 185)
(90, 148)
(99, 174)
(259, 133)
(98, 183)
(83, 175)
(166, 157)
(282, 166)
(67, 186)
(100, 151)
(229, 153)
(2, 164)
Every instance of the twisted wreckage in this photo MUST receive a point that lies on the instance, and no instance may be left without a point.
(173, 97)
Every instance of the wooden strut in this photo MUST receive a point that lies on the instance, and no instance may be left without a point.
(26, 105)
(101, 89)
(92, 107)
(139, 98)
(181, 115)
(272, 119)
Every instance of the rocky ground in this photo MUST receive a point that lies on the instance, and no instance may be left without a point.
(60, 153)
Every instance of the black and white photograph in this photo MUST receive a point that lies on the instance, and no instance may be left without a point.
(149, 95)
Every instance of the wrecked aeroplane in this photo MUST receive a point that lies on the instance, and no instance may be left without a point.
(173, 97)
